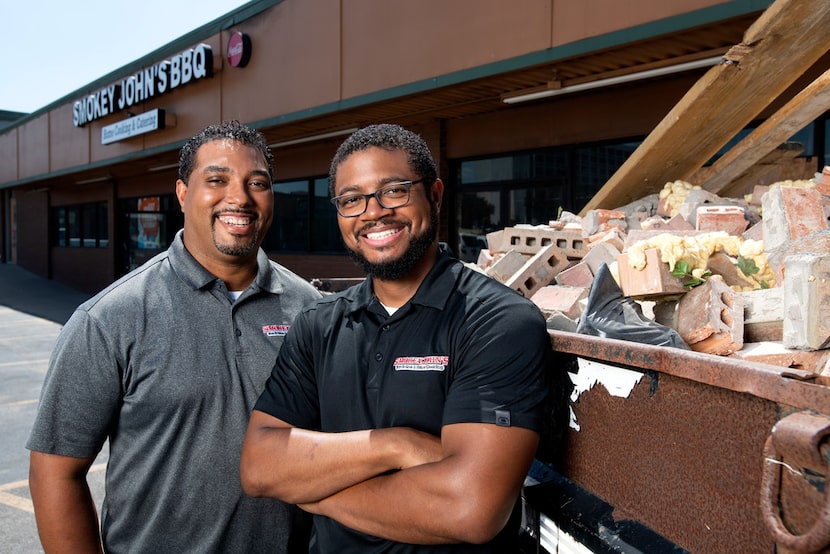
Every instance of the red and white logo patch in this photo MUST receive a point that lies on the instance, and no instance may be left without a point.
(275, 330)
(422, 363)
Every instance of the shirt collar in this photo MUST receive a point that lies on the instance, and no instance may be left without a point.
(191, 272)
(433, 292)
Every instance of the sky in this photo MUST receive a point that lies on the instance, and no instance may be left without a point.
(54, 47)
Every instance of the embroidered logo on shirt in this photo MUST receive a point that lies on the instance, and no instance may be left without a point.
(421, 363)
(275, 330)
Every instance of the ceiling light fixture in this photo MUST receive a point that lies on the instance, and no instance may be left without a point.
(163, 167)
(94, 180)
(313, 138)
(555, 88)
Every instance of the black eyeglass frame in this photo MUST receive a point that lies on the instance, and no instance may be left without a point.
(377, 196)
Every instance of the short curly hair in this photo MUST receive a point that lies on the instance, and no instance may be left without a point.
(231, 130)
(389, 137)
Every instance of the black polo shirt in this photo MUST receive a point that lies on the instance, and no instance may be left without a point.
(464, 349)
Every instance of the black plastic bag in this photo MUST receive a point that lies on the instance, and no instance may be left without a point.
(610, 314)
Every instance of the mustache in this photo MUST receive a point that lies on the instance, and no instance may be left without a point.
(380, 222)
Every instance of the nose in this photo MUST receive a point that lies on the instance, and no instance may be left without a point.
(237, 193)
(373, 208)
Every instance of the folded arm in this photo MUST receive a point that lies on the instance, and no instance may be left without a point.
(300, 466)
(466, 497)
(67, 520)
(464, 493)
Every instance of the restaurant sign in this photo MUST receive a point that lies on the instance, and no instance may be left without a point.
(163, 77)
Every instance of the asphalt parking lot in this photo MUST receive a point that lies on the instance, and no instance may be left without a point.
(32, 312)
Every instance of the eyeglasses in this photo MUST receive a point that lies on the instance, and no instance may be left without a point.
(391, 196)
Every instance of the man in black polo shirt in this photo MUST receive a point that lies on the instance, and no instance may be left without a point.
(403, 412)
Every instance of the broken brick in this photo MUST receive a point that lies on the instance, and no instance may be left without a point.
(774, 353)
(654, 279)
(763, 314)
(505, 266)
(710, 318)
(563, 299)
(807, 301)
(791, 213)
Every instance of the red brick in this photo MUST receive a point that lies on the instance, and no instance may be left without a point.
(791, 213)
(615, 237)
(758, 192)
(755, 232)
(601, 220)
(710, 318)
(563, 299)
(654, 279)
(723, 265)
(721, 218)
(578, 275)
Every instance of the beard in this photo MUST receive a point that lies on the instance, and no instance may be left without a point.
(240, 247)
(392, 270)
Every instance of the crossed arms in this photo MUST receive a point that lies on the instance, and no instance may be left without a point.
(396, 483)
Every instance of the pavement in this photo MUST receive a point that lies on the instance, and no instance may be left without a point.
(25, 292)
(32, 313)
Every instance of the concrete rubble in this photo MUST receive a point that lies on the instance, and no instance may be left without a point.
(747, 278)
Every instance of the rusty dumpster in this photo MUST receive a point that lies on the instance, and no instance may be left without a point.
(662, 449)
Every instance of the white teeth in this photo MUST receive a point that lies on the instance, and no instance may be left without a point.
(380, 236)
(231, 220)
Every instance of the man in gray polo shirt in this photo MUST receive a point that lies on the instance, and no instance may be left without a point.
(166, 364)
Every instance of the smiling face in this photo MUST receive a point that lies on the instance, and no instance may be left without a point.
(227, 204)
(388, 243)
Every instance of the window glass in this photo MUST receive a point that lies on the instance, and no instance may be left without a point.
(73, 226)
(325, 233)
(290, 227)
(81, 226)
(60, 227)
(524, 166)
(103, 225)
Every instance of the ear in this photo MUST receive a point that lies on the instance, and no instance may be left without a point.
(181, 192)
(437, 192)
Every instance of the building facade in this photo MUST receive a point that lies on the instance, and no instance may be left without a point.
(87, 183)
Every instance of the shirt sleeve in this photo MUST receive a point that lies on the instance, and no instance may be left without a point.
(290, 393)
(81, 392)
(499, 378)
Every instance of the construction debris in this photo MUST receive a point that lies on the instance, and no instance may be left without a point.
(748, 277)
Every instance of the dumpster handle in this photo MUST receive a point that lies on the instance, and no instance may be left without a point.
(819, 535)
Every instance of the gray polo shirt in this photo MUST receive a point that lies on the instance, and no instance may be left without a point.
(164, 365)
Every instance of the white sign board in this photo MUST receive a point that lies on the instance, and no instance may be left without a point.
(134, 126)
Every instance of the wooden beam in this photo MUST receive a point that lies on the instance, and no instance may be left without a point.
(788, 38)
(806, 106)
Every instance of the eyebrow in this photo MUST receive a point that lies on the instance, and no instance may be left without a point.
(382, 183)
(223, 169)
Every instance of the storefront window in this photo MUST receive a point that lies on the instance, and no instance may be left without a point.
(81, 226)
(304, 219)
(150, 224)
(529, 188)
